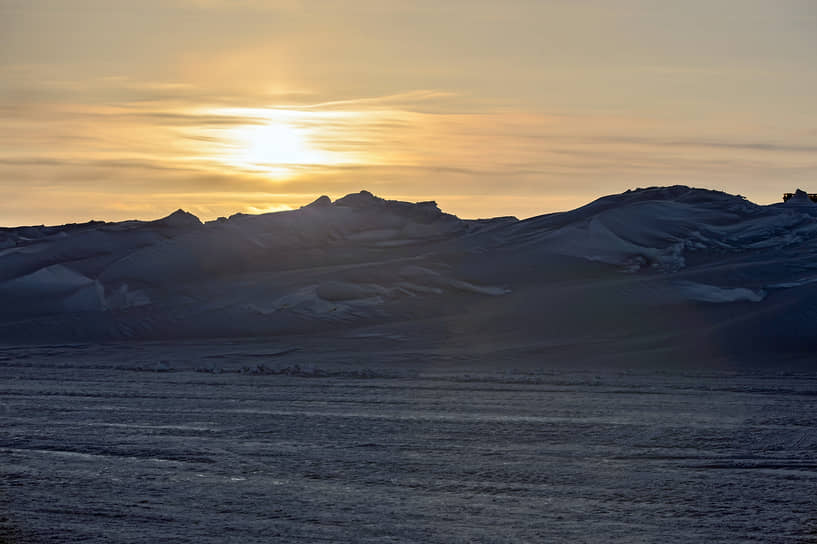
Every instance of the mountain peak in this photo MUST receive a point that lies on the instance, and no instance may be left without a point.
(359, 200)
(321, 202)
(178, 219)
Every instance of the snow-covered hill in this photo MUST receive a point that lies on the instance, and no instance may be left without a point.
(658, 273)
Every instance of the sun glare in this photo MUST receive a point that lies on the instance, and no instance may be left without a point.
(275, 143)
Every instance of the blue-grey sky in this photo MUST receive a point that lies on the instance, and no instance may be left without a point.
(114, 109)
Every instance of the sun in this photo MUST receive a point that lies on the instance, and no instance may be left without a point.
(278, 143)
(274, 144)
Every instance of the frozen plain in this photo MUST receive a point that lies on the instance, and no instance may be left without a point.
(246, 442)
(640, 369)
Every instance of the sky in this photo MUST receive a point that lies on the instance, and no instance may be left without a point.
(117, 109)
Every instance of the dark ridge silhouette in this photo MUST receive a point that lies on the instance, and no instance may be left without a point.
(672, 273)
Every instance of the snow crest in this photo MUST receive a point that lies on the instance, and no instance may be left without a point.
(628, 268)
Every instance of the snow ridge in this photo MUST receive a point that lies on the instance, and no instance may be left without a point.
(694, 267)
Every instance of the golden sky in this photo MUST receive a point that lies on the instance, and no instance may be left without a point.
(118, 109)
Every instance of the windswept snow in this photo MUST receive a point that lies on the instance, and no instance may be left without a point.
(251, 442)
(672, 268)
(53, 289)
(711, 293)
(639, 369)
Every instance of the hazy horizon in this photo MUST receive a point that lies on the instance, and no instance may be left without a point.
(113, 110)
(252, 211)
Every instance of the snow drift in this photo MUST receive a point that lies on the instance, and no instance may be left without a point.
(659, 272)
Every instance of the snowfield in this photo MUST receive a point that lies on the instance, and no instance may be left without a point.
(640, 369)
(689, 273)
(252, 442)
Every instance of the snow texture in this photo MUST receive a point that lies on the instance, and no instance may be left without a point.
(640, 369)
(250, 442)
(690, 272)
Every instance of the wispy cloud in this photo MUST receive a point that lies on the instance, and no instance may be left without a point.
(151, 147)
(398, 99)
(737, 145)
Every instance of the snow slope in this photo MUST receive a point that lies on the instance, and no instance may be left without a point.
(664, 272)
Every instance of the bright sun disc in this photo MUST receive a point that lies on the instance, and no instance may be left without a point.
(276, 143)
(280, 143)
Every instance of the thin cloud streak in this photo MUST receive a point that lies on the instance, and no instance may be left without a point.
(121, 135)
(406, 144)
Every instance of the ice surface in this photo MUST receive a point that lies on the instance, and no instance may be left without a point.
(640, 369)
(253, 442)
(688, 272)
